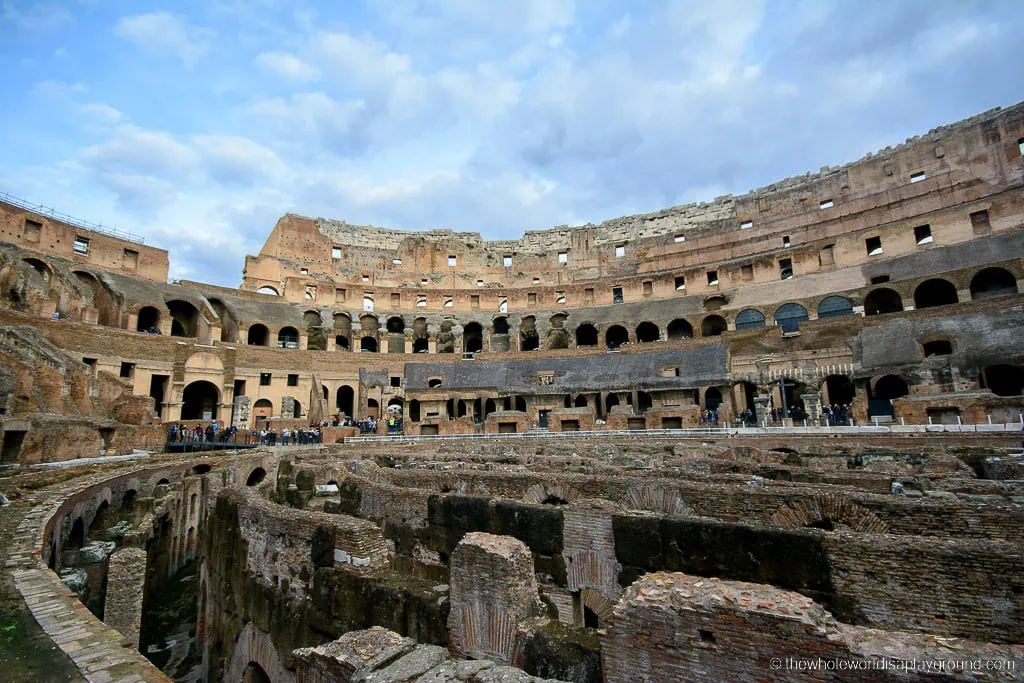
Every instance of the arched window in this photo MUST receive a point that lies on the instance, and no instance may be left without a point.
(368, 345)
(149, 319)
(262, 411)
(890, 387)
(713, 325)
(395, 325)
(992, 282)
(712, 398)
(257, 335)
(586, 335)
(185, 317)
(39, 266)
(834, 306)
(199, 401)
(881, 301)
(680, 329)
(1003, 380)
(580, 402)
(256, 477)
(750, 319)
(935, 292)
(266, 289)
(501, 325)
(647, 332)
(414, 410)
(529, 340)
(288, 338)
(616, 336)
(789, 317)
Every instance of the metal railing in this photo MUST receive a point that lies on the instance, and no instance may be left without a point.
(50, 212)
(701, 431)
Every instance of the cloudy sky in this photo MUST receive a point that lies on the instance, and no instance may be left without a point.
(197, 123)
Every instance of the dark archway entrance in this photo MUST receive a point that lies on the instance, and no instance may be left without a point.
(586, 335)
(616, 336)
(935, 292)
(882, 301)
(149, 319)
(199, 401)
(992, 282)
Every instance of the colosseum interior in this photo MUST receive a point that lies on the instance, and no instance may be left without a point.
(775, 436)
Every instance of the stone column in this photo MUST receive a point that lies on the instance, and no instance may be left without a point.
(761, 409)
(126, 581)
(812, 406)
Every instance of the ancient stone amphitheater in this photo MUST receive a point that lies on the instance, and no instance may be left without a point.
(771, 437)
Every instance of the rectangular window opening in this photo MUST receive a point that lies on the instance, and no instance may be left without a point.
(826, 204)
(879, 279)
(507, 261)
(130, 259)
(421, 302)
(826, 257)
(712, 278)
(747, 272)
(588, 296)
(680, 283)
(746, 225)
(453, 261)
(785, 242)
(396, 381)
(127, 370)
(648, 288)
(479, 283)
(923, 234)
(873, 245)
(396, 300)
(679, 238)
(980, 223)
(339, 296)
(396, 261)
(620, 250)
(33, 230)
(918, 177)
(293, 380)
(531, 299)
(474, 302)
(81, 245)
(786, 268)
(563, 257)
(617, 295)
(559, 297)
(335, 253)
(265, 379)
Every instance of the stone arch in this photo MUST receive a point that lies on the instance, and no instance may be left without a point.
(288, 338)
(750, 319)
(992, 282)
(345, 400)
(40, 266)
(586, 335)
(830, 511)
(615, 336)
(549, 493)
(198, 398)
(184, 318)
(76, 539)
(256, 477)
(148, 319)
(680, 328)
(935, 292)
(204, 361)
(228, 320)
(529, 339)
(599, 604)
(647, 332)
(713, 326)
(267, 289)
(1004, 380)
(368, 344)
(342, 331)
(654, 498)
(254, 646)
(881, 301)
(257, 335)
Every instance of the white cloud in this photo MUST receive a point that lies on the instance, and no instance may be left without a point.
(231, 159)
(165, 33)
(287, 65)
(58, 89)
(101, 113)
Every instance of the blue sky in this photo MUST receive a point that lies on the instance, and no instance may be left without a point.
(198, 123)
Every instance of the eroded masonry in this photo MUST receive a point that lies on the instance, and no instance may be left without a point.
(772, 437)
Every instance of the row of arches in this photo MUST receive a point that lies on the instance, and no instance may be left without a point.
(201, 401)
(987, 283)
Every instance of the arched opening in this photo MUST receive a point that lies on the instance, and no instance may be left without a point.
(992, 282)
(345, 399)
(257, 335)
(266, 289)
(840, 390)
(1003, 380)
(254, 673)
(228, 322)
(164, 482)
(500, 325)
(680, 329)
(472, 338)
(647, 332)
(201, 468)
(199, 401)
(420, 346)
(184, 318)
(342, 332)
(520, 404)
(590, 618)
(935, 292)
(789, 316)
(372, 408)
(586, 335)
(296, 409)
(368, 345)
(414, 410)
(615, 336)
(643, 401)
(489, 407)
(311, 319)
(396, 403)
(395, 325)
(834, 307)
(128, 500)
(883, 392)
(99, 520)
(77, 538)
(39, 266)
(881, 301)
(750, 319)
(712, 398)
(610, 402)
(262, 411)
(256, 477)
(713, 325)
(580, 402)
(316, 333)
(148, 320)
(288, 338)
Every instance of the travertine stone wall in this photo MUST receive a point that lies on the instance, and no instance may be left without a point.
(493, 592)
(126, 579)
